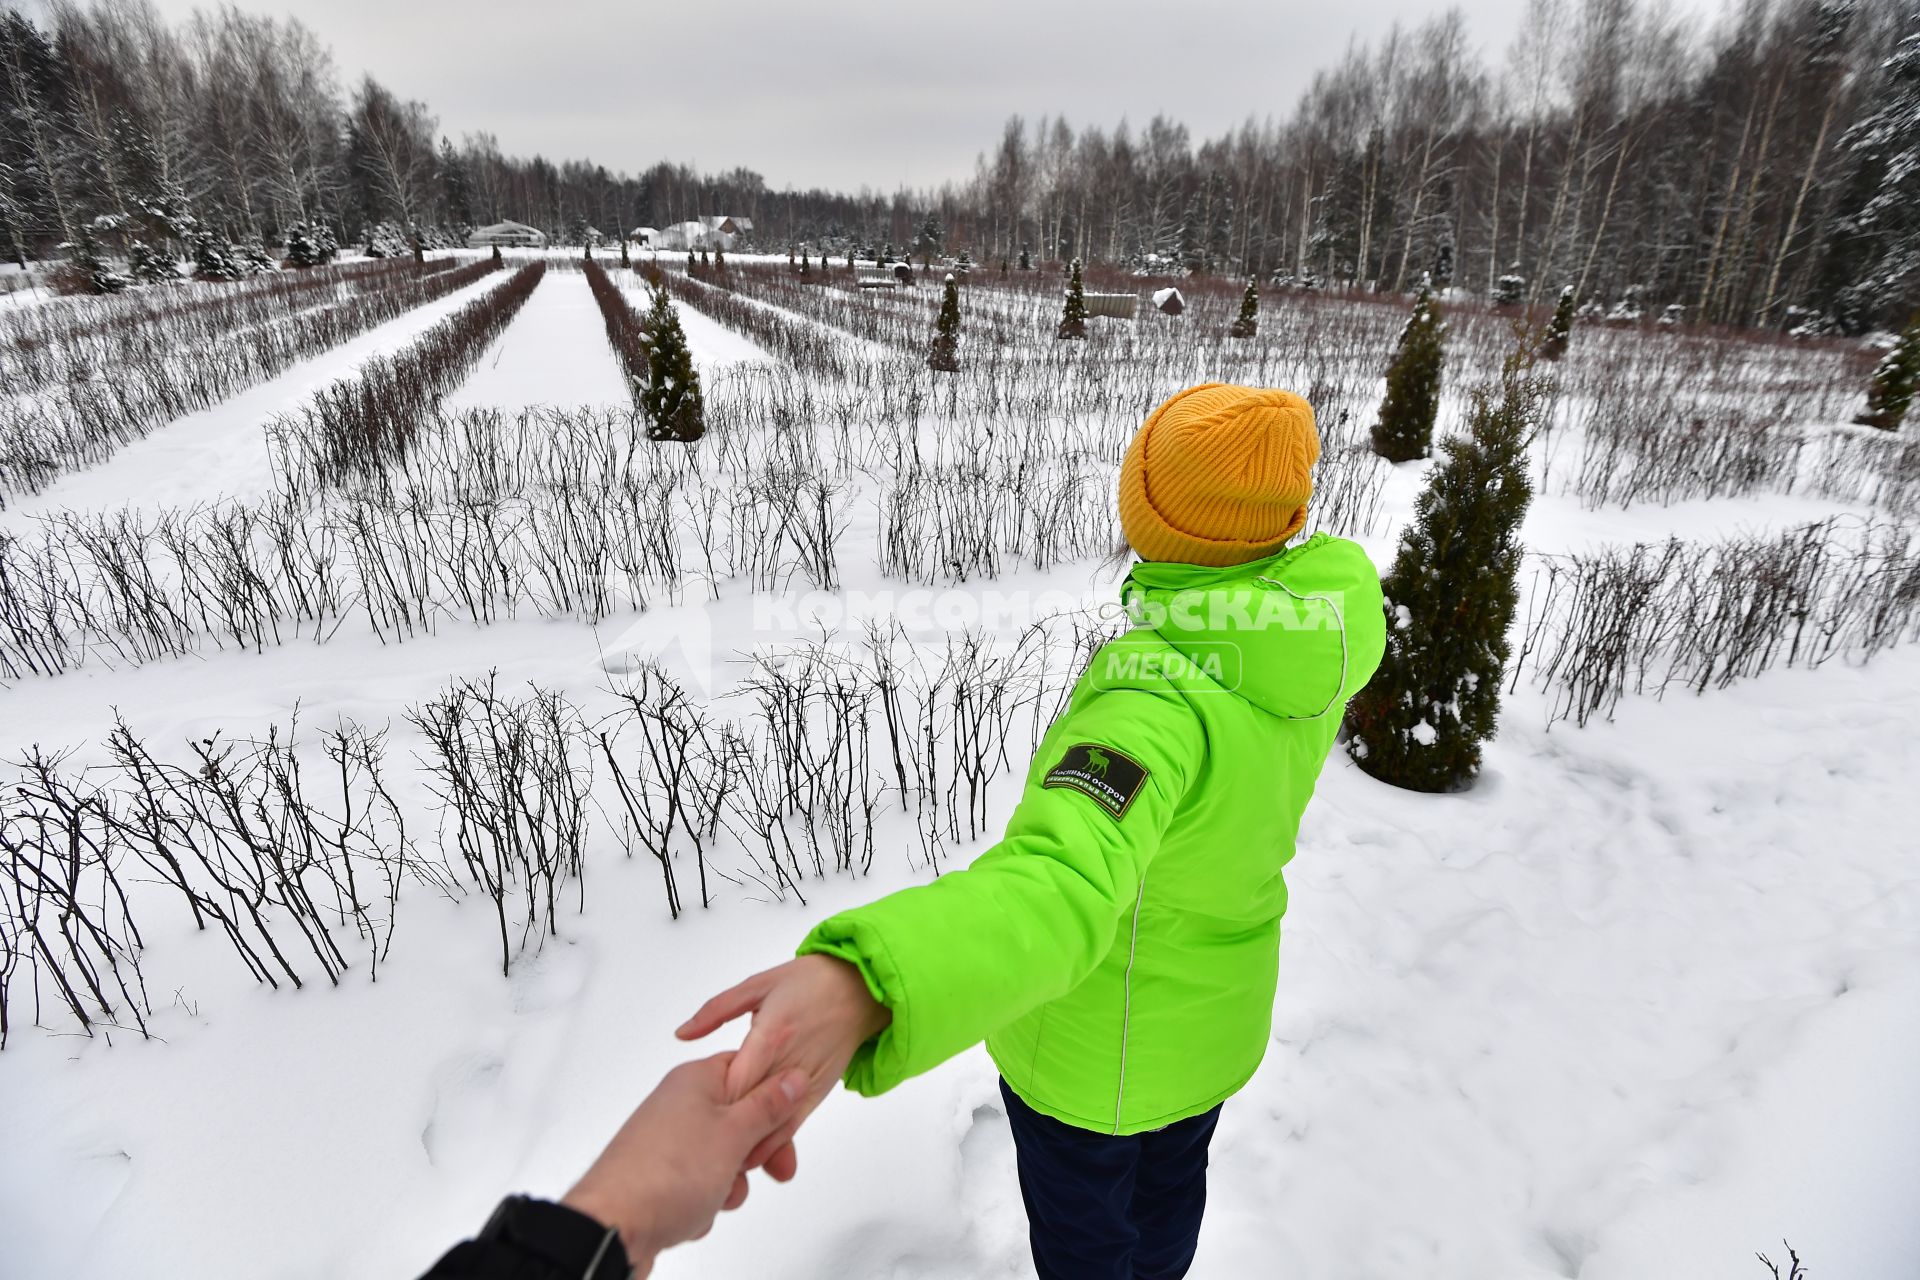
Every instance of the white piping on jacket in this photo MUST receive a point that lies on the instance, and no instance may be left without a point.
(1126, 1011)
(1338, 617)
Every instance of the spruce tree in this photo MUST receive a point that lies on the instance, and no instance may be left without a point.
(1450, 598)
(1073, 320)
(1895, 379)
(671, 401)
(213, 258)
(1405, 429)
(945, 354)
(149, 265)
(1559, 329)
(1026, 258)
(1247, 323)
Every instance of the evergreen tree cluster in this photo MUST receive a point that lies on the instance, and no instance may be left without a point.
(1405, 429)
(1895, 380)
(1450, 599)
(311, 244)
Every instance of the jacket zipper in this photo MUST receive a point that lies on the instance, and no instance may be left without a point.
(1126, 1009)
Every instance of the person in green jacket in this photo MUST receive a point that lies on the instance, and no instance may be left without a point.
(1118, 949)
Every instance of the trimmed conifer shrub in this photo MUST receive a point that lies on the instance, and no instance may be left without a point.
(1073, 319)
(1559, 329)
(945, 354)
(672, 402)
(719, 260)
(213, 258)
(1405, 429)
(309, 244)
(1247, 323)
(149, 265)
(1895, 379)
(806, 265)
(626, 257)
(496, 255)
(1450, 598)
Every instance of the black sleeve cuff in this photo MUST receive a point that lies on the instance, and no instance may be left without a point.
(529, 1239)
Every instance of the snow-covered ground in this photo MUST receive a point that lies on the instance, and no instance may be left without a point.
(1641, 1003)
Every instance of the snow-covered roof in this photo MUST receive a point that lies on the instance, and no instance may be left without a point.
(637, 232)
(502, 227)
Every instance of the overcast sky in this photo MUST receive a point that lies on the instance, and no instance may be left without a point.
(869, 94)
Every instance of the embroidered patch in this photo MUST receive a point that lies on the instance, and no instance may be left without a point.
(1110, 778)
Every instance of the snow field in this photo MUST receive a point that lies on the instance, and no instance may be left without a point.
(1638, 1004)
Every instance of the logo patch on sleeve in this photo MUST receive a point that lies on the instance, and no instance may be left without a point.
(1109, 777)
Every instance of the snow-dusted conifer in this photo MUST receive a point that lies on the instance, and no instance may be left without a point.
(1247, 323)
(214, 259)
(1073, 318)
(1895, 379)
(1405, 429)
(310, 244)
(945, 354)
(1559, 333)
(1450, 598)
(672, 401)
(149, 265)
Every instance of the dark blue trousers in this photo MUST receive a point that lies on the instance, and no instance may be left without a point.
(1106, 1207)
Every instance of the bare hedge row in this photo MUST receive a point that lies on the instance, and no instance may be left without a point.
(176, 368)
(1655, 616)
(301, 869)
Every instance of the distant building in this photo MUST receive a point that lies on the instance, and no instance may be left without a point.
(509, 234)
(709, 232)
(729, 225)
(645, 237)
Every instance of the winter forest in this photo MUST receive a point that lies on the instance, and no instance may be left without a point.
(1760, 171)
(462, 611)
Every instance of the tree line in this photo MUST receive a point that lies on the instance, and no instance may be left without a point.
(1760, 170)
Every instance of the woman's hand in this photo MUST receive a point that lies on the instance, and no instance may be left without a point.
(681, 1157)
(809, 1015)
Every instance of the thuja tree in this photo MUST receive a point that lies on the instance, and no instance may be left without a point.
(1073, 320)
(1559, 329)
(945, 353)
(1895, 379)
(1247, 323)
(626, 258)
(671, 401)
(1450, 598)
(1405, 429)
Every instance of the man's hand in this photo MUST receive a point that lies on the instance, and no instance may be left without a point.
(809, 1016)
(681, 1157)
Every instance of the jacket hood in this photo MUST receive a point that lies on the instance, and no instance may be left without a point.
(1296, 634)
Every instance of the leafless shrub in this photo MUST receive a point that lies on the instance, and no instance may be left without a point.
(513, 777)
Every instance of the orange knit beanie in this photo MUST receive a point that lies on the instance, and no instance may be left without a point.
(1219, 475)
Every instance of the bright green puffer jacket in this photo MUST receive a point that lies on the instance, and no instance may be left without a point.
(1118, 950)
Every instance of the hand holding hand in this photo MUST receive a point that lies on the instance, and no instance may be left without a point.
(680, 1159)
(809, 1016)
